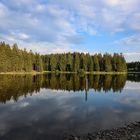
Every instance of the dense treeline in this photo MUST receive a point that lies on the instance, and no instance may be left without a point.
(78, 62)
(133, 66)
(13, 59)
(25, 85)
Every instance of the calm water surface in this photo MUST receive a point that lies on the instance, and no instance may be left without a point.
(51, 106)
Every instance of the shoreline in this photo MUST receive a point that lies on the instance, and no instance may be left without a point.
(128, 132)
(21, 73)
(62, 72)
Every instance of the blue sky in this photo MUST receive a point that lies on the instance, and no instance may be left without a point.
(54, 26)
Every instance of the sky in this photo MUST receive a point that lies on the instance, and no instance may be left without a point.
(56, 26)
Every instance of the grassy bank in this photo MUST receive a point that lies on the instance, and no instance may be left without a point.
(22, 73)
(59, 72)
(102, 72)
(85, 72)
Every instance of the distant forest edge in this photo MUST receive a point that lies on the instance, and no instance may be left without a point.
(13, 59)
(133, 67)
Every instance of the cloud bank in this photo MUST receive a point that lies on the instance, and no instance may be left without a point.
(58, 26)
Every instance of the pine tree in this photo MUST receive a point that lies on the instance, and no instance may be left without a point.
(62, 62)
(96, 63)
(107, 63)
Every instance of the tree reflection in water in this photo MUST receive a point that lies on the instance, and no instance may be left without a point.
(14, 86)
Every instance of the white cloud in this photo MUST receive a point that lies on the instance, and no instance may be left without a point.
(19, 35)
(23, 36)
(134, 21)
(46, 33)
(14, 37)
(133, 56)
(112, 21)
(40, 8)
(21, 2)
(46, 48)
(60, 23)
(123, 5)
(112, 2)
(3, 10)
(130, 41)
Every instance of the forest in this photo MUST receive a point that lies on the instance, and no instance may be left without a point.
(13, 59)
(79, 62)
(133, 66)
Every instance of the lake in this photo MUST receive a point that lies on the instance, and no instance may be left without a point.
(54, 105)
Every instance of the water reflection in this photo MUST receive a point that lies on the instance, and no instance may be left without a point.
(135, 77)
(50, 114)
(14, 86)
(77, 83)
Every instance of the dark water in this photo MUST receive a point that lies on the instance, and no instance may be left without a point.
(48, 107)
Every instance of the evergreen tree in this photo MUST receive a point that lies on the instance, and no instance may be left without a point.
(13, 59)
(76, 62)
(96, 63)
(62, 62)
(107, 63)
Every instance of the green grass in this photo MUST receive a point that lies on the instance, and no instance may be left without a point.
(59, 72)
(102, 72)
(93, 72)
(21, 73)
